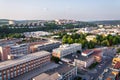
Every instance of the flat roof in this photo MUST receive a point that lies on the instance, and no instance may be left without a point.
(47, 43)
(78, 56)
(23, 59)
(62, 69)
(83, 58)
(45, 76)
(66, 46)
(41, 76)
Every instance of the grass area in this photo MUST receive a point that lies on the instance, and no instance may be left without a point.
(93, 65)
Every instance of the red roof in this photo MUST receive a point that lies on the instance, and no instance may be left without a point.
(87, 51)
(117, 65)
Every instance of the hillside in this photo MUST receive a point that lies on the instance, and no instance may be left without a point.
(108, 22)
(3, 21)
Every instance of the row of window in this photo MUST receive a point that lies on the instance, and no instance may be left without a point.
(25, 67)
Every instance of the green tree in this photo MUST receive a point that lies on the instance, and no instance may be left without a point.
(70, 40)
(91, 44)
(55, 59)
(105, 43)
(64, 39)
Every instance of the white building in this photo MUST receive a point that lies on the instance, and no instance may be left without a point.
(66, 49)
(90, 37)
(11, 22)
(36, 34)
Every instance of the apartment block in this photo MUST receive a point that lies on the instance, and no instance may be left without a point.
(13, 68)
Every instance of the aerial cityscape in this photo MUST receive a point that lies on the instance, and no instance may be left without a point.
(59, 40)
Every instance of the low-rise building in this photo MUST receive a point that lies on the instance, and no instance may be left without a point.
(87, 58)
(13, 68)
(66, 49)
(82, 61)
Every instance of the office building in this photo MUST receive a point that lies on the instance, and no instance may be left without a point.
(13, 68)
(66, 49)
(47, 46)
(13, 50)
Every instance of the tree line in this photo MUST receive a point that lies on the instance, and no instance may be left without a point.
(5, 31)
(100, 40)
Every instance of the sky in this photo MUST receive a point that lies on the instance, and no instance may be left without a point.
(85, 10)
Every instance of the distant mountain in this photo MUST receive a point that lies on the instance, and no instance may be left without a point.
(6, 21)
(108, 22)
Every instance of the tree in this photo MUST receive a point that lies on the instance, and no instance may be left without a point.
(115, 40)
(55, 59)
(64, 39)
(99, 39)
(95, 40)
(105, 43)
(70, 40)
(118, 50)
(91, 44)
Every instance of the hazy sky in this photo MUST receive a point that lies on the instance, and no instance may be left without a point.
(60, 9)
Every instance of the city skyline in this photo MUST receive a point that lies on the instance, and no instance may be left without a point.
(60, 9)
